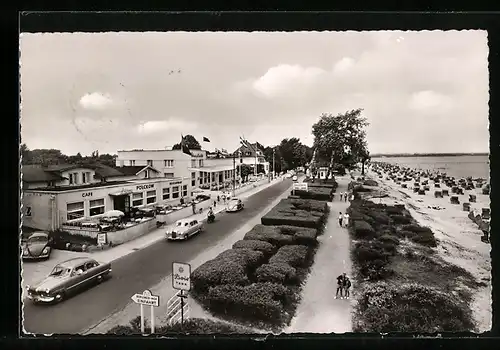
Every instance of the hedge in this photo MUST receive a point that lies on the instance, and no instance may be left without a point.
(303, 213)
(293, 255)
(276, 272)
(265, 247)
(315, 193)
(190, 326)
(257, 301)
(363, 229)
(231, 266)
(370, 182)
(411, 308)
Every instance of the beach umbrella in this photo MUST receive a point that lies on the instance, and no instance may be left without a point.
(113, 213)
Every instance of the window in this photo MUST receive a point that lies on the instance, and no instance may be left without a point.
(241, 160)
(248, 153)
(168, 163)
(90, 265)
(75, 210)
(137, 199)
(193, 175)
(200, 162)
(169, 174)
(166, 193)
(132, 162)
(193, 163)
(146, 174)
(86, 177)
(96, 207)
(193, 179)
(150, 162)
(73, 178)
(184, 190)
(150, 197)
(175, 192)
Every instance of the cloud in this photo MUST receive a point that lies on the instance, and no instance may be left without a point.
(343, 65)
(429, 100)
(172, 124)
(286, 79)
(96, 101)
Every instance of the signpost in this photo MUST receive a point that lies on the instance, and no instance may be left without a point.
(101, 239)
(147, 298)
(300, 186)
(181, 280)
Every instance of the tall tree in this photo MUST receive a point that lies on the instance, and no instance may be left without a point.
(246, 170)
(26, 154)
(190, 141)
(340, 136)
(268, 155)
(293, 153)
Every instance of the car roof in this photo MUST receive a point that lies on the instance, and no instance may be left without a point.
(39, 234)
(234, 199)
(70, 263)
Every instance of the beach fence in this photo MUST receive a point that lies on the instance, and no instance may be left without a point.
(177, 309)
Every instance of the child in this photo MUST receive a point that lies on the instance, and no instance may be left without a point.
(340, 219)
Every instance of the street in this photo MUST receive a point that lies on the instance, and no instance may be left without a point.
(137, 272)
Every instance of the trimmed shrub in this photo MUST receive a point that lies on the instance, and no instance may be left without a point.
(316, 193)
(293, 255)
(400, 219)
(380, 218)
(363, 229)
(388, 238)
(276, 273)
(265, 247)
(301, 219)
(215, 272)
(248, 258)
(269, 234)
(370, 183)
(302, 235)
(369, 251)
(412, 308)
(425, 238)
(258, 301)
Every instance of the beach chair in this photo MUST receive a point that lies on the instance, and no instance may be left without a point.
(454, 200)
(466, 206)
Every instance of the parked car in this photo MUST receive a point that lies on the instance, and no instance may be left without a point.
(234, 205)
(68, 277)
(183, 229)
(37, 246)
(202, 197)
(295, 178)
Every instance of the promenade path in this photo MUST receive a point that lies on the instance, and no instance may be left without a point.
(319, 311)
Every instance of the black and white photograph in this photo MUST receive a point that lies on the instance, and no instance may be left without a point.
(255, 182)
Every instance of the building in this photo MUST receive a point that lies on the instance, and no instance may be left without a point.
(67, 193)
(252, 156)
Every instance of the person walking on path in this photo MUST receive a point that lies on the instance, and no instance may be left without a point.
(347, 285)
(340, 285)
(345, 221)
(340, 219)
(218, 199)
(193, 206)
(341, 195)
(345, 196)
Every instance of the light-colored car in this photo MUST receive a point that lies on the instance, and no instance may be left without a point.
(68, 277)
(295, 178)
(37, 246)
(234, 205)
(183, 229)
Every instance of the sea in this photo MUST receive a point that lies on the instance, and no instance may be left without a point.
(476, 166)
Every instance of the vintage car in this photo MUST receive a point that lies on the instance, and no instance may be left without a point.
(37, 246)
(68, 277)
(183, 229)
(295, 178)
(234, 205)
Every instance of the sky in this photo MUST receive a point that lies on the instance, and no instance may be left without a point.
(421, 92)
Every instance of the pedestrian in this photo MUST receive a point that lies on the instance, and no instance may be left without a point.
(345, 196)
(340, 219)
(347, 285)
(193, 206)
(224, 198)
(215, 204)
(218, 199)
(346, 220)
(340, 286)
(352, 197)
(182, 201)
(341, 195)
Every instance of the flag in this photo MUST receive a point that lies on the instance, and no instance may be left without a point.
(246, 144)
(205, 139)
(184, 148)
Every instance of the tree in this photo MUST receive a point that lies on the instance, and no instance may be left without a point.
(340, 138)
(293, 153)
(245, 171)
(26, 154)
(268, 155)
(190, 141)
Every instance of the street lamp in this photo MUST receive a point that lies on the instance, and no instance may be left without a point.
(274, 169)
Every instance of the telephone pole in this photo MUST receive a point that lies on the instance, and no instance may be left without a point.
(274, 169)
(234, 175)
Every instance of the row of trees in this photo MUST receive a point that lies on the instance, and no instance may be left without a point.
(338, 140)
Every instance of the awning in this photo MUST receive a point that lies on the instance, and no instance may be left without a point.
(122, 192)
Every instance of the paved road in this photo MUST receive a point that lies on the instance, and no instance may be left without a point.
(137, 272)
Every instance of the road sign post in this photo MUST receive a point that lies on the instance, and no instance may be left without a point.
(300, 186)
(101, 239)
(147, 298)
(181, 280)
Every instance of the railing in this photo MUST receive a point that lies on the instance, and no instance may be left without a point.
(174, 311)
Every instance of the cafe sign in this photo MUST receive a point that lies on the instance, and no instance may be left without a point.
(145, 187)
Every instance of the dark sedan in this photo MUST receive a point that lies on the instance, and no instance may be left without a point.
(68, 277)
(37, 246)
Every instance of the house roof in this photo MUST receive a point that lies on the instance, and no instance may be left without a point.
(133, 170)
(64, 167)
(103, 171)
(36, 174)
(245, 149)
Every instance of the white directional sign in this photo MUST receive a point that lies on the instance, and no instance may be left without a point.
(101, 238)
(300, 186)
(181, 276)
(146, 298)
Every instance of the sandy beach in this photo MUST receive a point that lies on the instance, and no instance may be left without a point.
(459, 239)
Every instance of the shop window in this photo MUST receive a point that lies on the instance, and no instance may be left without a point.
(150, 197)
(166, 193)
(75, 210)
(137, 199)
(184, 191)
(175, 192)
(96, 207)
(132, 162)
(168, 163)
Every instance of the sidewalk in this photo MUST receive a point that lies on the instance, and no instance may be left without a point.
(32, 272)
(319, 311)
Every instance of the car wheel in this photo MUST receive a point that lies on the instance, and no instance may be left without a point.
(99, 279)
(60, 297)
